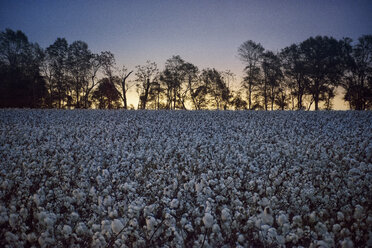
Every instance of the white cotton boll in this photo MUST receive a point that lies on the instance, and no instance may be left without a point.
(105, 173)
(105, 226)
(347, 243)
(107, 201)
(92, 191)
(150, 223)
(286, 228)
(216, 228)
(133, 223)
(31, 237)
(189, 228)
(67, 230)
(11, 237)
(320, 228)
(81, 228)
(241, 239)
(198, 187)
(225, 214)
(336, 228)
(208, 220)
(49, 222)
(280, 239)
(24, 213)
(36, 199)
(297, 220)
(96, 227)
(291, 237)
(74, 216)
(117, 226)
(358, 212)
(368, 151)
(113, 214)
(148, 210)
(174, 203)
(13, 218)
(264, 202)
(266, 216)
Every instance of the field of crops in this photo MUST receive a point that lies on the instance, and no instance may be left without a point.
(185, 178)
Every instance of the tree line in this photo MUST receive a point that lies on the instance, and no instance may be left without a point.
(297, 77)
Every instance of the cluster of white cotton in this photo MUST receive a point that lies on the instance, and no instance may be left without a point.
(185, 179)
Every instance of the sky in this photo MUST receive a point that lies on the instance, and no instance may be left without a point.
(206, 33)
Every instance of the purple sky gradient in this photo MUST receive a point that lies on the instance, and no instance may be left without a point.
(204, 32)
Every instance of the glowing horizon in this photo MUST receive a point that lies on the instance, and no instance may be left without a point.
(205, 33)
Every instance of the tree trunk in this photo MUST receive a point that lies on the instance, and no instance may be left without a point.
(250, 95)
(146, 94)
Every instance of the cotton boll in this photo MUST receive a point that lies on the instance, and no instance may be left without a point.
(280, 239)
(282, 219)
(31, 237)
(266, 216)
(23, 212)
(336, 228)
(11, 237)
(49, 221)
(81, 228)
(96, 228)
(208, 220)
(113, 214)
(116, 226)
(241, 239)
(264, 202)
(225, 214)
(150, 223)
(74, 216)
(13, 219)
(107, 201)
(216, 229)
(271, 232)
(358, 212)
(291, 237)
(67, 230)
(297, 220)
(347, 243)
(189, 228)
(105, 226)
(174, 203)
(36, 199)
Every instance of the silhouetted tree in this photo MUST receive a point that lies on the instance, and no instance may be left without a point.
(358, 74)
(173, 77)
(192, 79)
(323, 65)
(146, 76)
(21, 84)
(79, 65)
(272, 75)
(250, 53)
(293, 63)
(56, 71)
(216, 87)
(281, 98)
(91, 82)
(238, 103)
(123, 85)
(106, 94)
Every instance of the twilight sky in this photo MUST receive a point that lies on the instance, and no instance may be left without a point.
(204, 32)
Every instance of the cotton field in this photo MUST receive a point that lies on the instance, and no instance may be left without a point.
(89, 178)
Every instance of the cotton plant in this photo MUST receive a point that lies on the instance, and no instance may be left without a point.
(245, 179)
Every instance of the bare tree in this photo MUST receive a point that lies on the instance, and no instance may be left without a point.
(250, 53)
(124, 85)
(146, 76)
(89, 84)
